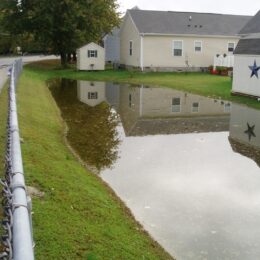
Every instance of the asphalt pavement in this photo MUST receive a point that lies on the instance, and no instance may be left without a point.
(5, 63)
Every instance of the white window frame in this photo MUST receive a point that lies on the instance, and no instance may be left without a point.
(200, 51)
(233, 48)
(92, 95)
(182, 50)
(92, 53)
(176, 105)
(227, 107)
(131, 44)
(193, 107)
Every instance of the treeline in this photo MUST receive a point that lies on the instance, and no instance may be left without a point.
(57, 27)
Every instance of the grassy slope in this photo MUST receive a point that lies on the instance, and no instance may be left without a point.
(79, 217)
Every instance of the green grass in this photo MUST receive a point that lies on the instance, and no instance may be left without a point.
(79, 217)
(199, 83)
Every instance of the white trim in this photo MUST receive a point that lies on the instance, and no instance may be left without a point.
(181, 45)
(142, 53)
(195, 46)
(193, 107)
(141, 101)
(192, 35)
(176, 105)
(233, 49)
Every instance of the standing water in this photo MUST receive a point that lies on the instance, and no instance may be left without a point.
(187, 166)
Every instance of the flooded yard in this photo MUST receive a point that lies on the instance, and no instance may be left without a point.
(187, 166)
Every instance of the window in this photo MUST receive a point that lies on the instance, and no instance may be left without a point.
(130, 48)
(92, 53)
(92, 95)
(227, 108)
(177, 48)
(176, 105)
(195, 107)
(198, 46)
(231, 46)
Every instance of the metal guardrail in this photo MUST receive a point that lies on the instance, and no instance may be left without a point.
(17, 239)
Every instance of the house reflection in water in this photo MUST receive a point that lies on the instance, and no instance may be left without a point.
(244, 131)
(150, 110)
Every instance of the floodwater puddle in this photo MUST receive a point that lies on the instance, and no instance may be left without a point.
(187, 166)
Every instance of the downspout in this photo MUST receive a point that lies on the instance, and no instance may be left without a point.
(141, 101)
(142, 52)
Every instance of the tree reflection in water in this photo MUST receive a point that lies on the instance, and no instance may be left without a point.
(92, 130)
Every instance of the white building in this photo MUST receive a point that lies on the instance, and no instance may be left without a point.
(246, 79)
(91, 57)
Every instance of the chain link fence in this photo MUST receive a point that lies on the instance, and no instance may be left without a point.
(17, 239)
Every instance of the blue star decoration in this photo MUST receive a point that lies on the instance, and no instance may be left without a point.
(250, 131)
(254, 70)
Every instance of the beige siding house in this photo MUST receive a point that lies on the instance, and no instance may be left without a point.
(246, 80)
(91, 57)
(166, 41)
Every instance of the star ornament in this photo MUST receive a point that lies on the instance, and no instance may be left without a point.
(254, 70)
(250, 131)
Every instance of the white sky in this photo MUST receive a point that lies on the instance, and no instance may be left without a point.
(243, 7)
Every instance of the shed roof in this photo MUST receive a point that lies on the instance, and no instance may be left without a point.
(168, 22)
(249, 45)
(253, 26)
(91, 44)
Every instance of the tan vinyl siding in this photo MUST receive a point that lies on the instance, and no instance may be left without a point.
(129, 33)
(158, 50)
(84, 62)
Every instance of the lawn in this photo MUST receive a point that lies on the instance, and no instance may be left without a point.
(199, 83)
(79, 217)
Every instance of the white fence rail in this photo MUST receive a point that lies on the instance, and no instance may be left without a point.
(17, 224)
(223, 61)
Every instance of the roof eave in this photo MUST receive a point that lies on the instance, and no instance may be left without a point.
(191, 35)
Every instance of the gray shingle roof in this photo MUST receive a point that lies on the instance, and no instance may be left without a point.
(167, 22)
(253, 26)
(248, 46)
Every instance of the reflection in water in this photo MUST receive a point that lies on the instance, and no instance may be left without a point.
(92, 130)
(177, 171)
(244, 132)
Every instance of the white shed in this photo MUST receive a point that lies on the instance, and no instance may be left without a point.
(91, 93)
(246, 76)
(91, 57)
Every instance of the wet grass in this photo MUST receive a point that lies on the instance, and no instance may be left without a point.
(198, 83)
(79, 217)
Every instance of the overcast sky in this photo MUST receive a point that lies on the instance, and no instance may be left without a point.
(244, 7)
